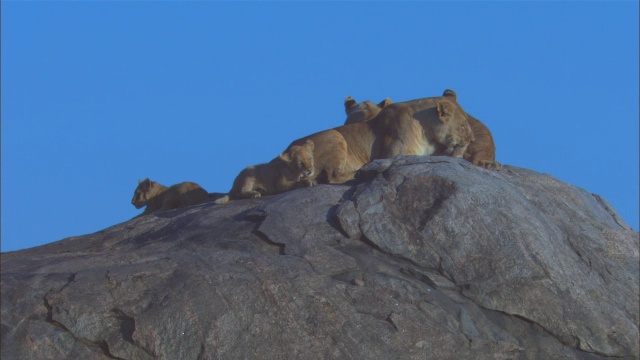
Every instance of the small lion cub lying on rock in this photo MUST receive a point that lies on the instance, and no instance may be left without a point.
(157, 197)
(288, 171)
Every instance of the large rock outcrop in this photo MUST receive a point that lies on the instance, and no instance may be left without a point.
(420, 258)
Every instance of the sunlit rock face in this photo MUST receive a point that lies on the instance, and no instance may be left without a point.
(419, 258)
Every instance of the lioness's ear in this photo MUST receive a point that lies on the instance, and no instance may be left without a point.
(309, 144)
(349, 102)
(450, 94)
(139, 181)
(385, 102)
(285, 157)
(445, 110)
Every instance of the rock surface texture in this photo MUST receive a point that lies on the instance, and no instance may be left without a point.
(419, 258)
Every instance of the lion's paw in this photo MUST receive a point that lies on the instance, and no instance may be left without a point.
(490, 165)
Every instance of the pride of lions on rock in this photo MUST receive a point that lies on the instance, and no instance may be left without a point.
(429, 126)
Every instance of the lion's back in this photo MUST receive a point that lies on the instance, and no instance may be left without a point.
(326, 144)
(185, 194)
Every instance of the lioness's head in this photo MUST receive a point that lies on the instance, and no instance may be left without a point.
(454, 132)
(300, 158)
(364, 111)
(141, 195)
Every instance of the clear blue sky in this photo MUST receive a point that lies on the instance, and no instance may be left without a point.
(96, 95)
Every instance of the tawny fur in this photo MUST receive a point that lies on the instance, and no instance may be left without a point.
(157, 197)
(429, 126)
(364, 111)
(288, 171)
(481, 151)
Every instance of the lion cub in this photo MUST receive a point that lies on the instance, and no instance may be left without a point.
(481, 151)
(157, 197)
(288, 171)
(364, 111)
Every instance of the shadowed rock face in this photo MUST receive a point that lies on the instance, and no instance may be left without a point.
(420, 258)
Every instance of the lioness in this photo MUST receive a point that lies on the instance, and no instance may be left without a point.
(288, 171)
(429, 126)
(482, 150)
(364, 111)
(157, 197)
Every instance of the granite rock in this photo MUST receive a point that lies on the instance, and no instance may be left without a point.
(418, 258)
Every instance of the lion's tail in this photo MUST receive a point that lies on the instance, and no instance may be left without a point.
(223, 200)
